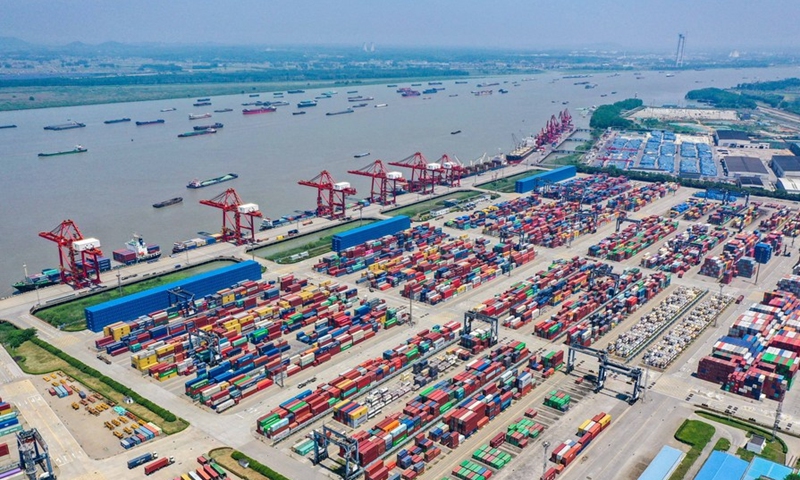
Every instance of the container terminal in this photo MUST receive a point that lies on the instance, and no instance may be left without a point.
(542, 333)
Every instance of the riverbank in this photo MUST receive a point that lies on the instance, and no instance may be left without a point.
(26, 98)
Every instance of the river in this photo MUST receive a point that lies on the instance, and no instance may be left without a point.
(109, 190)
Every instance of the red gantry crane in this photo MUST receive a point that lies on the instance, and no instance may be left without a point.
(331, 195)
(453, 170)
(77, 256)
(424, 175)
(384, 183)
(566, 121)
(238, 218)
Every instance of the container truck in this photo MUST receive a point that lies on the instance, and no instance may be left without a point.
(157, 465)
(141, 460)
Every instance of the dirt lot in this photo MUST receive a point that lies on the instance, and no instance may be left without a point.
(89, 430)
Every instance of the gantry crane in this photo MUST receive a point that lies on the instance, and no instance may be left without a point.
(384, 182)
(565, 119)
(453, 170)
(424, 175)
(238, 218)
(634, 373)
(77, 256)
(331, 195)
(33, 453)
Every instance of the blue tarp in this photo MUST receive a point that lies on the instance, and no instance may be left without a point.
(761, 466)
(662, 466)
(722, 466)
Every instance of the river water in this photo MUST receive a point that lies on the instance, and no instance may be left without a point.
(109, 191)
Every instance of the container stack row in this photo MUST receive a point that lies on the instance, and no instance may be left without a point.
(566, 452)
(309, 404)
(9, 423)
(589, 190)
(495, 213)
(686, 330)
(608, 316)
(634, 238)
(757, 359)
(792, 226)
(747, 216)
(194, 243)
(697, 208)
(725, 213)
(640, 196)
(649, 326)
(776, 220)
(685, 250)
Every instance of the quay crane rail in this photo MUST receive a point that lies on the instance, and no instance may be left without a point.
(238, 218)
(77, 256)
(331, 195)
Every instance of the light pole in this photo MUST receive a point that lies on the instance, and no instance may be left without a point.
(721, 286)
(119, 283)
(546, 445)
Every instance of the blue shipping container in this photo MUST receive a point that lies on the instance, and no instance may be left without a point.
(359, 235)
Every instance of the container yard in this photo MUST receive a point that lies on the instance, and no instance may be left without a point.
(482, 307)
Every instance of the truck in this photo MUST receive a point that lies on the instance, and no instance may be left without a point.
(141, 460)
(157, 465)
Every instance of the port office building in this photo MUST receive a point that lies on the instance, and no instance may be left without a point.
(158, 298)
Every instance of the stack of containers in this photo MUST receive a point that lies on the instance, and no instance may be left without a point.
(698, 208)
(633, 238)
(747, 216)
(590, 429)
(9, 423)
(640, 196)
(725, 213)
(686, 250)
(564, 453)
(589, 190)
(790, 283)
(499, 212)
(792, 226)
(519, 432)
(493, 457)
(776, 220)
(746, 267)
(467, 470)
(558, 400)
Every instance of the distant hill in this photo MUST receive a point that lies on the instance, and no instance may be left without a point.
(8, 44)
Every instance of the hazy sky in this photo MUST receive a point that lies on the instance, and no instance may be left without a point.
(524, 24)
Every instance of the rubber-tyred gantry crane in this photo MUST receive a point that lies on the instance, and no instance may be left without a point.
(238, 218)
(384, 182)
(331, 195)
(424, 175)
(77, 256)
(453, 170)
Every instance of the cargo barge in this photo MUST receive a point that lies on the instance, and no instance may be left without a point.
(212, 181)
(341, 112)
(65, 126)
(48, 277)
(223, 110)
(307, 103)
(359, 105)
(117, 120)
(7, 126)
(198, 116)
(201, 104)
(166, 203)
(215, 126)
(359, 98)
(253, 111)
(77, 149)
(295, 91)
(197, 133)
(149, 122)
(168, 109)
(137, 251)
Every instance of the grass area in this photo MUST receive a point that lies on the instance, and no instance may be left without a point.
(696, 434)
(36, 360)
(70, 315)
(223, 457)
(775, 450)
(723, 445)
(571, 159)
(506, 185)
(317, 243)
(418, 211)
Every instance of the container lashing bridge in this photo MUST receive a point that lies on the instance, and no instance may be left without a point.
(331, 195)
(349, 446)
(77, 256)
(634, 373)
(238, 218)
(384, 182)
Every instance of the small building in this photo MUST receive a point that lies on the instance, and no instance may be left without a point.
(795, 148)
(745, 166)
(750, 182)
(785, 165)
(756, 444)
(731, 138)
(722, 466)
(663, 465)
(790, 185)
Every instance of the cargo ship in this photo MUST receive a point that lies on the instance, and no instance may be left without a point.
(359, 98)
(168, 109)
(461, 82)
(7, 126)
(360, 155)
(519, 154)
(48, 277)
(136, 251)
(203, 100)
(198, 116)
(482, 85)
(279, 103)
(117, 120)
(253, 111)
(480, 93)
(253, 95)
(307, 103)
(381, 105)
(77, 149)
(295, 91)
(215, 126)
(298, 113)
(223, 110)
(341, 112)
(267, 223)
(359, 105)
(167, 203)
(455, 132)
(212, 181)
(149, 122)
(65, 126)
(197, 133)
(201, 104)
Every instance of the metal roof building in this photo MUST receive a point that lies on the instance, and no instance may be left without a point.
(791, 185)
(786, 165)
(663, 465)
(722, 466)
(761, 467)
(726, 138)
(745, 166)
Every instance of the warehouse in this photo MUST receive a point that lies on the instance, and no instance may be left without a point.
(722, 466)
(731, 138)
(790, 185)
(786, 165)
(663, 465)
(745, 166)
(795, 148)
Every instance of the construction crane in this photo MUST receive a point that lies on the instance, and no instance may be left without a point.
(33, 453)
(453, 170)
(424, 175)
(238, 218)
(77, 256)
(634, 373)
(331, 195)
(384, 182)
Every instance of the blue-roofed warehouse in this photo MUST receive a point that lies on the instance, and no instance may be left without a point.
(761, 467)
(148, 301)
(722, 466)
(359, 235)
(663, 465)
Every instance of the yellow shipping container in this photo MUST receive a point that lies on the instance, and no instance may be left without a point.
(584, 425)
(164, 350)
(605, 420)
(207, 328)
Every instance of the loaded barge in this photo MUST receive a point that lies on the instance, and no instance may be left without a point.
(212, 181)
(166, 203)
(77, 149)
(65, 126)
